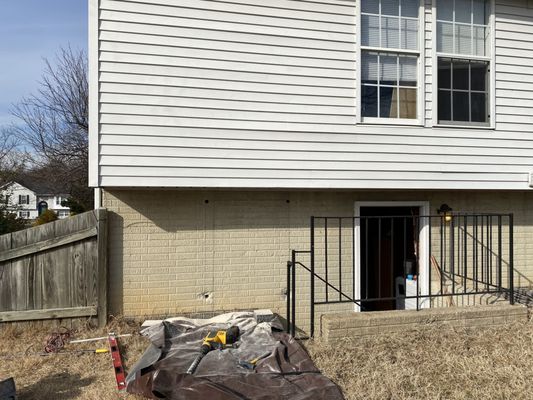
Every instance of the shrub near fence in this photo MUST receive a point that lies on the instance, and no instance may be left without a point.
(55, 271)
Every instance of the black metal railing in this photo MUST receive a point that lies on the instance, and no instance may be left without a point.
(402, 262)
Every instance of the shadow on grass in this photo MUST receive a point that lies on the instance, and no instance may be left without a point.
(62, 386)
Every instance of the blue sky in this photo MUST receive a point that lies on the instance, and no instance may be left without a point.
(31, 30)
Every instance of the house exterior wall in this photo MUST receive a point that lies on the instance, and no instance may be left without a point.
(12, 192)
(255, 94)
(175, 252)
(54, 204)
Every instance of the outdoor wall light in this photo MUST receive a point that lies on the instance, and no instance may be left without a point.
(446, 212)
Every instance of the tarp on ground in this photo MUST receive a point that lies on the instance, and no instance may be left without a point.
(286, 372)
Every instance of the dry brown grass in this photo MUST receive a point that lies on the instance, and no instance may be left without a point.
(433, 363)
(428, 364)
(66, 376)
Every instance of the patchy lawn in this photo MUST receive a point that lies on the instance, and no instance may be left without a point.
(429, 364)
(433, 364)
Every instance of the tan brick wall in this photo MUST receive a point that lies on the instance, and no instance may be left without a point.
(174, 252)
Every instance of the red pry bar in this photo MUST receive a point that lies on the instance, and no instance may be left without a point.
(120, 376)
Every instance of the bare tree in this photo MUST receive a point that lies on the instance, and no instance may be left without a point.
(12, 159)
(11, 162)
(55, 123)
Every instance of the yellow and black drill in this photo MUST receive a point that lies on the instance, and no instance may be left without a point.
(215, 340)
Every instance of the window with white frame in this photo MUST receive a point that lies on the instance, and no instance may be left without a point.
(24, 214)
(390, 58)
(464, 62)
(63, 213)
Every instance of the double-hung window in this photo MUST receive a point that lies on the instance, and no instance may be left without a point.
(463, 41)
(390, 60)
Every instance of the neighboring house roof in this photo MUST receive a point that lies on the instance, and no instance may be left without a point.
(9, 186)
(38, 190)
(42, 187)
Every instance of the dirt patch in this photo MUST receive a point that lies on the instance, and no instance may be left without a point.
(431, 363)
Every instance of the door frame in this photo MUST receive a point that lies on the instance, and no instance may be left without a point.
(424, 207)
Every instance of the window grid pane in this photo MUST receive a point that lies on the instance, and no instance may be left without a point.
(462, 27)
(370, 30)
(466, 100)
(389, 85)
(390, 32)
(409, 34)
(390, 24)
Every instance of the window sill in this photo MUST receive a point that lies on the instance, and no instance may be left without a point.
(390, 122)
(458, 126)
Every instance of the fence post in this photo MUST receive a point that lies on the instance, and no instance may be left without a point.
(101, 217)
(312, 319)
(511, 259)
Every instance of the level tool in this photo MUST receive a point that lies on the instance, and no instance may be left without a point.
(120, 376)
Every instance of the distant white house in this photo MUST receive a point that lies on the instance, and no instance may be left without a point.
(27, 200)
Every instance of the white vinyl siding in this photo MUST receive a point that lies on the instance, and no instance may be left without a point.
(253, 94)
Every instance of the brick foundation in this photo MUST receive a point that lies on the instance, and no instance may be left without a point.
(174, 252)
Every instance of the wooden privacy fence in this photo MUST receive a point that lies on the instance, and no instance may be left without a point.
(57, 270)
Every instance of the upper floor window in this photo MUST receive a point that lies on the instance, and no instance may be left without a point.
(390, 59)
(463, 59)
(24, 199)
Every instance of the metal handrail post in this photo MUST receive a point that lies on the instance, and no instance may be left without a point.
(511, 258)
(288, 330)
(312, 287)
(293, 299)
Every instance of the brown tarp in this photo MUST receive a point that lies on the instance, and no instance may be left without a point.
(286, 373)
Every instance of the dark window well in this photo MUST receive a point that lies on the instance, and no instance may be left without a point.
(463, 91)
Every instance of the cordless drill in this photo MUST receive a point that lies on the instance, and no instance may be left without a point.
(215, 340)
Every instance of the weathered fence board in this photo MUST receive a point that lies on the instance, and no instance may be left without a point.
(31, 315)
(57, 270)
(47, 244)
